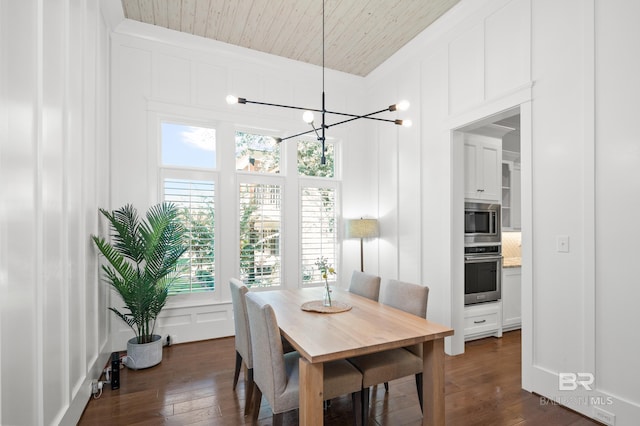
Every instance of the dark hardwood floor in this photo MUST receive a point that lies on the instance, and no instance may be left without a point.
(192, 386)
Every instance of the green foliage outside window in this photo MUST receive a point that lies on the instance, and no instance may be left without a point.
(257, 153)
(309, 157)
(200, 255)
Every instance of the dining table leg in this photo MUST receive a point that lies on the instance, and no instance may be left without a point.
(311, 393)
(433, 382)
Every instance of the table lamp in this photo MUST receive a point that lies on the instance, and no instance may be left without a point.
(362, 228)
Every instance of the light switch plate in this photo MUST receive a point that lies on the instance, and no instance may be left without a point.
(562, 243)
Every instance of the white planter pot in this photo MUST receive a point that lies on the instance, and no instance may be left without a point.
(143, 355)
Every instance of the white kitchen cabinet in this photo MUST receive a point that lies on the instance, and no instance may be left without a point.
(483, 320)
(511, 298)
(510, 195)
(483, 168)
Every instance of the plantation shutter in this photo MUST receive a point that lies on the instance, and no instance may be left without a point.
(196, 201)
(318, 233)
(260, 226)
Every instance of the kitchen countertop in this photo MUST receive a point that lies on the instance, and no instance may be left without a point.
(511, 262)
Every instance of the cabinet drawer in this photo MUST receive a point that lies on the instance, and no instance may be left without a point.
(481, 322)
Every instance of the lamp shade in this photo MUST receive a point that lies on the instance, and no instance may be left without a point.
(362, 228)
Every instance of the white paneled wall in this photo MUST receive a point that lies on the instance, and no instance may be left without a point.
(466, 69)
(409, 178)
(506, 62)
(451, 74)
(54, 171)
(570, 67)
(559, 149)
(617, 198)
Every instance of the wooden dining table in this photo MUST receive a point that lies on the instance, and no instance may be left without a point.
(367, 327)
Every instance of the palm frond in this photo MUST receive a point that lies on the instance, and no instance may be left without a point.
(115, 258)
(125, 224)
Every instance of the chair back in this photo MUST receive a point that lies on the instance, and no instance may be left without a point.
(241, 320)
(365, 285)
(269, 371)
(408, 297)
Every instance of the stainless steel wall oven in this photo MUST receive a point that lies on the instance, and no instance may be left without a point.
(482, 273)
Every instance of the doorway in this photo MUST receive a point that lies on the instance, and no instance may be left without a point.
(511, 129)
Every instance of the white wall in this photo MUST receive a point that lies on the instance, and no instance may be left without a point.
(617, 191)
(571, 67)
(456, 72)
(562, 342)
(54, 170)
(160, 74)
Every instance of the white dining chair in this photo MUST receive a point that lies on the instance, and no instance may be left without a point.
(365, 285)
(242, 339)
(382, 367)
(276, 373)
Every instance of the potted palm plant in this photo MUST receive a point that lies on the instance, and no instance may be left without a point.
(141, 263)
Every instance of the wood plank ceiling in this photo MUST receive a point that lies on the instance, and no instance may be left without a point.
(359, 34)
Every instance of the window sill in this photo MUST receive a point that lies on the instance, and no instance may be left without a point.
(193, 300)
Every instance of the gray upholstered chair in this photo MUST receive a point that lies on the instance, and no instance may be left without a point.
(276, 373)
(242, 339)
(393, 364)
(365, 285)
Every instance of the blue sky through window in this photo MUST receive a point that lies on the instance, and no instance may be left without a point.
(188, 146)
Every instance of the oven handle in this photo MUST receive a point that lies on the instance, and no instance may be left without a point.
(480, 258)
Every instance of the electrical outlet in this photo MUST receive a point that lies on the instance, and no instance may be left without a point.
(604, 416)
(94, 386)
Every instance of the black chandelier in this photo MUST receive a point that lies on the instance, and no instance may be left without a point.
(308, 117)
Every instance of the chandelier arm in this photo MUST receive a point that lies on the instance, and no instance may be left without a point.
(315, 129)
(296, 135)
(356, 115)
(359, 117)
(335, 124)
(282, 106)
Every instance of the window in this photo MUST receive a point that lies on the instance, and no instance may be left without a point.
(196, 201)
(260, 225)
(187, 179)
(193, 175)
(318, 234)
(309, 158)
(188, 146)
(257, 153)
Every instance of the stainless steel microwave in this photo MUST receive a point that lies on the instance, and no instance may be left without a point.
(481, 223)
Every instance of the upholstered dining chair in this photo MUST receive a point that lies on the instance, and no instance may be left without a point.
(393, 364)
(276, 373)
(242, 339)
(365, 285)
